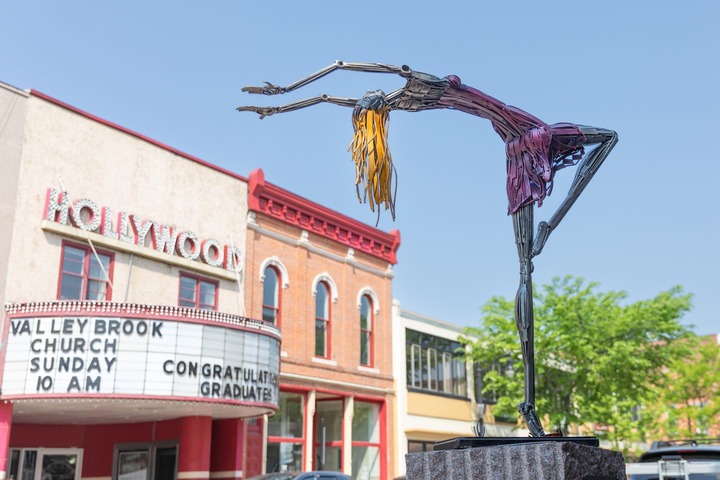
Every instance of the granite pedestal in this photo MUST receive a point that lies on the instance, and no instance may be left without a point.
(524, 461)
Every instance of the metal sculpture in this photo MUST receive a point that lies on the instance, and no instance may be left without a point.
(535, 150)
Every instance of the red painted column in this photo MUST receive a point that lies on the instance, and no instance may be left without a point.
(6, 409)
(227, 449)
(194, 448)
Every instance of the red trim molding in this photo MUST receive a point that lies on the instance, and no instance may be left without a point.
(292, 209)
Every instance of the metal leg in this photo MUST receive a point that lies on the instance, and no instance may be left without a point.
(586, 169)
(524, 315)
(523, 225)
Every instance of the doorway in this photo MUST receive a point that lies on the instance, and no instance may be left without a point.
(145, 461)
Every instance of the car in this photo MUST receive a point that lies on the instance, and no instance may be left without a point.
(314, 475)
(693, 459)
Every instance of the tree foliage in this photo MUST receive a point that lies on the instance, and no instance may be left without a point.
(685, 403)
(596, 356)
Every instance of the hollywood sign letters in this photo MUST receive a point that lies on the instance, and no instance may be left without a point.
(99, 355)
(88, 216)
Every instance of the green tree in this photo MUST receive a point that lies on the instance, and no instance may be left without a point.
(685, 402)
(596, 357)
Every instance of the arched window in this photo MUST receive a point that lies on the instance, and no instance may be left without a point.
(366, 330)
(271, 295)
(322, 320)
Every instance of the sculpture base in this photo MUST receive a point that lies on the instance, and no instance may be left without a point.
(556, 459)
(473, 442)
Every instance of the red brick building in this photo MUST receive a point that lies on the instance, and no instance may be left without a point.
(326, 281)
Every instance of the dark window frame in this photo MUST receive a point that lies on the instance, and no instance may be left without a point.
(276, 309)
(199, 282)
(366, 334)
(426, 376)
(89, 257)
(326, 321)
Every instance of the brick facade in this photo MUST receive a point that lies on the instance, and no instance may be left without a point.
(306, 254)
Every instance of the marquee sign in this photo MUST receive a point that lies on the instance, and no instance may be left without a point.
(86, 215)
(68, 355)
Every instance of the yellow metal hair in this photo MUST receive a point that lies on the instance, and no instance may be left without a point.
(374, 169)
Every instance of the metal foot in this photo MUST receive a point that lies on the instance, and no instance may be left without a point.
(527, 410)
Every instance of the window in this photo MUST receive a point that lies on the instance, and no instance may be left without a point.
(285, 435)
(366, 441)
(196, 292)
(84, 275)
(328, 445)
(322, 320)
(434, 364)
(271, 296)
(47, 463)
(417, 446)
(366, 327)
(145, 461)
(414, 366)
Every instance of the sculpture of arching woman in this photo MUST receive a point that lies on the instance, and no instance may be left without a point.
(535, 150)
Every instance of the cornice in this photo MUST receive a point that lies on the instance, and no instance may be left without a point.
(292, 209)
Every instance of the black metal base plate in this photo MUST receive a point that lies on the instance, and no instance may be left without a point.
(473, 442)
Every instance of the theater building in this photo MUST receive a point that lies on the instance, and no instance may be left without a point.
(126, 349)
(165, 318)
(326, 281)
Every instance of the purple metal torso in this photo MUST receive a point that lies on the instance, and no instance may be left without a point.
(534, 149)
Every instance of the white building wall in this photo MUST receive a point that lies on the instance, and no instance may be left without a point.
(13, 108)
(398, 366)
(402, 320)
(63, 149)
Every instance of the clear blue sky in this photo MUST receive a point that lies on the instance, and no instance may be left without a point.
(649, 70)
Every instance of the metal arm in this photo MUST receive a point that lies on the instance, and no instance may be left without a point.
(270, 89)
(267, 111)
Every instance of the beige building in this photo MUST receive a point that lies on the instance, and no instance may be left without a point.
(121, 277)
(435, 387)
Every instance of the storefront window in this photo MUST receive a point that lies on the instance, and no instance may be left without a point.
(288, 421)
(366, 426)
(366, 440)
(328, 435)
(366, 463)
(285, 435)
(28, 468)
(45, 464)
(133, 465)
(284, 457)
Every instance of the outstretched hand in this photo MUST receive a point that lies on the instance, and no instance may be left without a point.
(268, 89)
